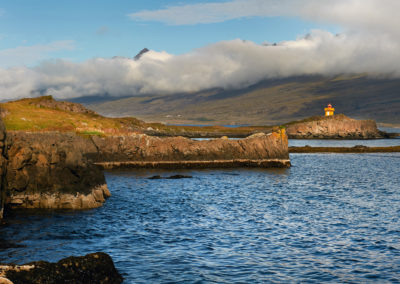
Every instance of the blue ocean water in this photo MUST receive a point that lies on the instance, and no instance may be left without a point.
(329, 218)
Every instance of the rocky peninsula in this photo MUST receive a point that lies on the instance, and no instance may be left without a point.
(53, 170)
(42, 167)
(140, 150)
(52, 154)
(334, 127)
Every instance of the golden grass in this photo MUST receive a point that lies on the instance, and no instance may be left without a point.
(25, 115)
(31, 115)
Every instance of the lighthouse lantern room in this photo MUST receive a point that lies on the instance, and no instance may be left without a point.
(329, 110)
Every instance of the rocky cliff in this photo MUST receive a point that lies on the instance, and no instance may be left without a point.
(3, 166)
(144, 150)
(53, 170)
(334, 127)
(60, 170)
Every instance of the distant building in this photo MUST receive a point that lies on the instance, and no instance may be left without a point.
(329, 110)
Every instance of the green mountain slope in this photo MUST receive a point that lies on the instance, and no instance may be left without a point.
(268, 102)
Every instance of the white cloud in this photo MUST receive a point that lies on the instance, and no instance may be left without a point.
(370, 44)
(228, 64)
(379, 15)
(27, 55)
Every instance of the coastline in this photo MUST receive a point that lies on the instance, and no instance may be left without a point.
(355, 149)
(261, 163)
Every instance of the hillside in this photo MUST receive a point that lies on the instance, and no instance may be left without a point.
(45, 114)
(266, 103)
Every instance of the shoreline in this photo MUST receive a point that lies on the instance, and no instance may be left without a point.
(262, 163)
(355, 149)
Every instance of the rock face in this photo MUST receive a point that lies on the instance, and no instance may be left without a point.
(3, 166)
(53, 170)
(91, 268)
(143, 148)
(334, 127)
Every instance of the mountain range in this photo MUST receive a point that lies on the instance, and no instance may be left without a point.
(271, 101)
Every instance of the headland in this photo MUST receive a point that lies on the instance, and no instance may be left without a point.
(54, 153)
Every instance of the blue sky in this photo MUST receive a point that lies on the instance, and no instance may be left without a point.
(99, 28)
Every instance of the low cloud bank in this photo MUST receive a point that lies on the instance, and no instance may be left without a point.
(228, 64)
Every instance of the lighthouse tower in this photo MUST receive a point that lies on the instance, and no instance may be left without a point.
(329, 110)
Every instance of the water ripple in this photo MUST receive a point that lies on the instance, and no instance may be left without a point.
(331, 218)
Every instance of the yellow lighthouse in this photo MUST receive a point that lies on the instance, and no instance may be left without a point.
(329, 110)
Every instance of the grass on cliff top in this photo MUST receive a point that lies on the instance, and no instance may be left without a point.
(46, 114)
(26, 115)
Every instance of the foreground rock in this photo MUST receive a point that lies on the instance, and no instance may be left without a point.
(334, 127)
(139, 150)
(53, 171)
(92, 268)
(3, 166)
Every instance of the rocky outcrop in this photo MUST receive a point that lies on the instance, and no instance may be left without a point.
(140, 150)
(53, 170)
(91, 268)
(49, 102)
(3, 166)
(334, 127)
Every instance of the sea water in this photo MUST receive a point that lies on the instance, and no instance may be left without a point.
(329, 218)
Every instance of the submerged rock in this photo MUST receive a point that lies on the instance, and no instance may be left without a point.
(170, 177)
(178, 177)
(92, 268)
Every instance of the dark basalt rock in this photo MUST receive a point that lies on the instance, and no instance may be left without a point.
(3, 166)
(4, 244)
(92, 268)
(178, 177)
(170, 177)
(53, 171)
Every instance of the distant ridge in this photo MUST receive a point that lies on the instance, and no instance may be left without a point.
(269, 102)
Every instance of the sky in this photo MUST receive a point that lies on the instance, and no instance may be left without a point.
(66, 48)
